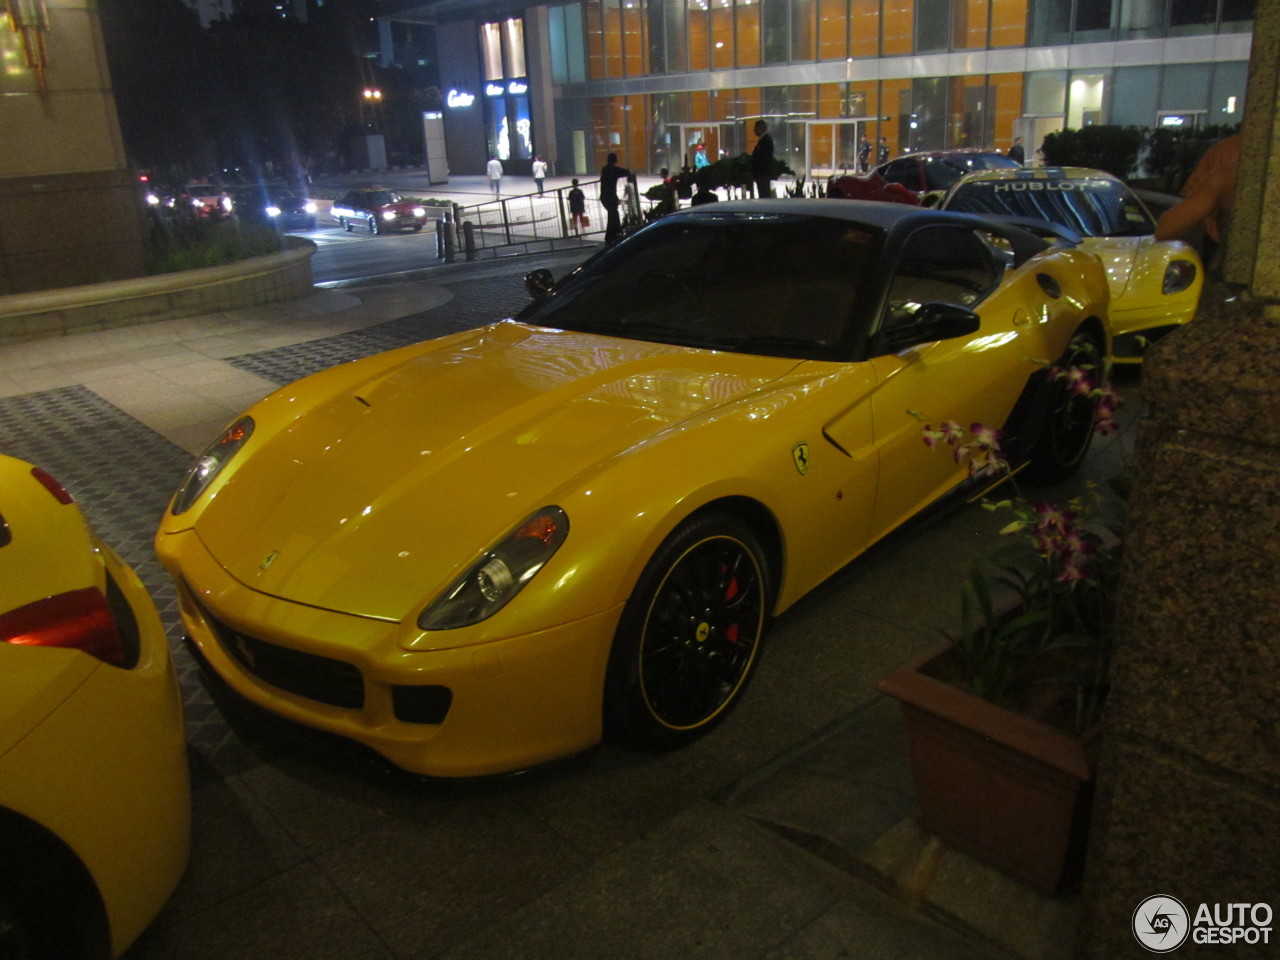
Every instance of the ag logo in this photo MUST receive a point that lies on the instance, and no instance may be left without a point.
(1161, 923)
(800, 454)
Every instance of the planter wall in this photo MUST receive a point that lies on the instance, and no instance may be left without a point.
(994, 783)
(189, 293)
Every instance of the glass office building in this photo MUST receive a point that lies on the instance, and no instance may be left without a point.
(649, 79)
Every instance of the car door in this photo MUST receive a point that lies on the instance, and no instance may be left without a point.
(966, 380)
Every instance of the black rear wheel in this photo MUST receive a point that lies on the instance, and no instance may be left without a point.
(690, 635)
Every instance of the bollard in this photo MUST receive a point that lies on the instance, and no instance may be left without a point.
(469, 240)
(446, 231)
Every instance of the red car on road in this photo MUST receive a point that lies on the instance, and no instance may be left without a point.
(910, 177)
(378, 210)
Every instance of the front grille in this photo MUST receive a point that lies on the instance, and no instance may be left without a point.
(330, 681)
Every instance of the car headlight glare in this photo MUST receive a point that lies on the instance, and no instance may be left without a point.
(419, 211)
(311, 208)
(210, 464)
(273, 211)
(388, 214)
(500, 574)
(1178, 275)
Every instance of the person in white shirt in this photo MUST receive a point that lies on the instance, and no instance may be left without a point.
(495, 176)
(539, 173)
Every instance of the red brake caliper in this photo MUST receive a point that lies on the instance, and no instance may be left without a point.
(731, 631)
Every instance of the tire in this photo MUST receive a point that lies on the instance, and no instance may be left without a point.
(690, 634)
(347, 225)
(373, 226)
(47, 915)
(1066, 430)
(417, 227)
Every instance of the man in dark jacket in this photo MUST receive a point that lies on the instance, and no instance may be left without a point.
(762, 160)
(609, 177)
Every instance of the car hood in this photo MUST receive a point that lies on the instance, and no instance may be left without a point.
(383, 494)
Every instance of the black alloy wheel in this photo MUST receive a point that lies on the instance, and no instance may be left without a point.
(690, 635)
(1067, 429)
(373, 225)
(347, 225)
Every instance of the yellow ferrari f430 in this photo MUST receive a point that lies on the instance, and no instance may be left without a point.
(486, 551)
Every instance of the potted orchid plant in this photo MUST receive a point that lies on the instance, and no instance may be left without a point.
(1001, 716)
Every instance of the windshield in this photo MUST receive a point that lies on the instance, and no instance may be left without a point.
(942, 172)
(777, 285)
(1093, 208)
(381, 198)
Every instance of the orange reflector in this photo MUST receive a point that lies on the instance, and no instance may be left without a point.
(541, 527)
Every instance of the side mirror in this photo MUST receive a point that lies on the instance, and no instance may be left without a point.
(933, 321)
(539, 282)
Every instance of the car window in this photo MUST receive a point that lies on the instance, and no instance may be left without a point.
(781, 285)
(951, 264)
(940, 174)
(902, 171)
(1092, 207)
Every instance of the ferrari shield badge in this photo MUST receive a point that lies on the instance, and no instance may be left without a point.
(271, 558)
(800, 454)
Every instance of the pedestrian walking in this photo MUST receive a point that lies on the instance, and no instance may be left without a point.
(882, 151)
(495, 176)
(539, 173)
(1016, 152)
(864, 154)
(577, 208)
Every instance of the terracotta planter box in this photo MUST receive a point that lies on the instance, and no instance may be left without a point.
(999, 785)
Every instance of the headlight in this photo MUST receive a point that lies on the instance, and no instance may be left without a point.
(1178, 275)
(227, 204)
(500, 574)
(273, 211)
(419, 211)
(311, 207)
(388, 214)
(210, 464)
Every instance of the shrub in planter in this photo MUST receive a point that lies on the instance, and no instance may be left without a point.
(1001, 716)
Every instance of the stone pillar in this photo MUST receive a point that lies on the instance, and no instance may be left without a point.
(70, 210)
(1188, 801)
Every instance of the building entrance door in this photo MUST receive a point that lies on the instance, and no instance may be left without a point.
(720, 139)
(832, 146)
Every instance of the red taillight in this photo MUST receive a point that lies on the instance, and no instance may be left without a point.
(77, 620)
(53, 486)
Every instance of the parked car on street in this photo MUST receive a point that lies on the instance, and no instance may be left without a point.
(94, 793)
(908, 178)
(486, 551)
(1155, 284)
(378, 211)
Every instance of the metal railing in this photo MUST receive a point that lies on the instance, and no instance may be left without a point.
(529, 221)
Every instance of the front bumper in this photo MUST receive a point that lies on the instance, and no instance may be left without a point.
(470, 711)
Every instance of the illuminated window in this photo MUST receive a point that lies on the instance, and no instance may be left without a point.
(491, 51)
